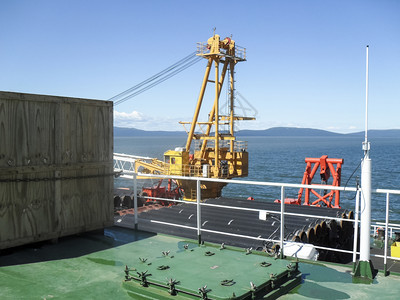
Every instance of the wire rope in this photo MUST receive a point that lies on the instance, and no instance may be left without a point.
(183, 60)
(156, 79)
(357, 180)
(160, 80)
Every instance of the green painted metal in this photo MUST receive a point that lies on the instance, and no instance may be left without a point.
(364, 269)
(334, 281)
(91, 266)
(225, 273)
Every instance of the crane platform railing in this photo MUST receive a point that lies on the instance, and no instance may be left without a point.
(238, 146)
(240, 52)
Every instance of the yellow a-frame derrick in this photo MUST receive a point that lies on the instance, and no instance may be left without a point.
(207, 154)
(225, 157)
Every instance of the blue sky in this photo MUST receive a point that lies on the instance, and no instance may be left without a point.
(305, 59)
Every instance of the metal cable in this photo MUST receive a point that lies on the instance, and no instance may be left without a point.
(156, 79)
(183, 60)
(160, 80)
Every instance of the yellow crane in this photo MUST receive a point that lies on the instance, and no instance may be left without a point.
(213, 153)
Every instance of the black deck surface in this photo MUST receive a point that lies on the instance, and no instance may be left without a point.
(230, 220)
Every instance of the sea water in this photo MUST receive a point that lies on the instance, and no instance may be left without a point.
(281, 159)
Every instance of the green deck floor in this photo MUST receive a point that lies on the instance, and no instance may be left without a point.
(225, 272)
(91, 266)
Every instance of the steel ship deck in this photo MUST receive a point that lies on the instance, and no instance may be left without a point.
(91, 266)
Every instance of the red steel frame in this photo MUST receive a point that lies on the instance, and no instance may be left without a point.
(327, 167)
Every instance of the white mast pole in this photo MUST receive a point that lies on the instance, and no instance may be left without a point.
(365, 268)
(366, 99)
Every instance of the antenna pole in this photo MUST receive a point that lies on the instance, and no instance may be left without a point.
(364, 266)
(366, 100)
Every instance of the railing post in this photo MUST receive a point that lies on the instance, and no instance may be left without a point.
(386, 235)
(355, 241)
(135, 200)
(282, 218)
(198, 200)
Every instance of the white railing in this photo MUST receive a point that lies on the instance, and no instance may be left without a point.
(125, 164)
(389, 227)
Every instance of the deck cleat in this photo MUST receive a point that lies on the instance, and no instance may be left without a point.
(143, 278)
(227, 282)
(127, 273)
(171, 283)
(265, 264)
(253, 289)
(273, 278)
(204, 291)
(209, 253)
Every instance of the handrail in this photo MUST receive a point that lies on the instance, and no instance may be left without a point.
(282, 212)
(247, 182)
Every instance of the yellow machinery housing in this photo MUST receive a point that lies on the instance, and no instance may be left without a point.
(178, 162)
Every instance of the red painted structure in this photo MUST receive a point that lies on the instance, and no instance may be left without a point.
(159, 191)
(327, 167)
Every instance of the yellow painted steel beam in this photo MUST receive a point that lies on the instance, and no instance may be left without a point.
(211, 118)
(236, 118)
(226, 137)
(216, 108)
(232, 89)
(198, 106)
(200, 123)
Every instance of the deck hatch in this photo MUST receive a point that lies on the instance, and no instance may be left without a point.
(228, 273)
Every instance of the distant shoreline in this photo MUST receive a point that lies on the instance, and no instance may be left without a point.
(271, 132)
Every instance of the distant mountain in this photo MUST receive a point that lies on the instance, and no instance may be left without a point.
(374, 133)
(127, 132)
(276, 131)
(287, 131)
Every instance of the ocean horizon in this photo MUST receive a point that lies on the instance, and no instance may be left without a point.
(281, 159)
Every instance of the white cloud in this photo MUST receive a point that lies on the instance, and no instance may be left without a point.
(133, 116)
(139, 120)
(134, 119)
